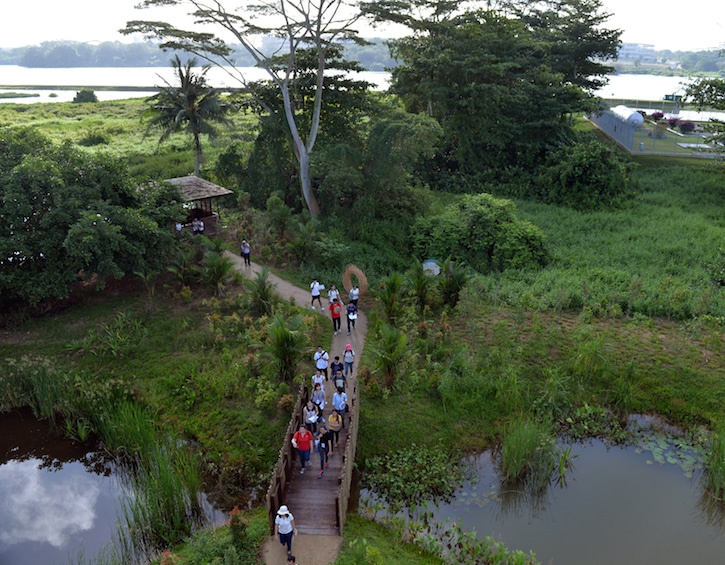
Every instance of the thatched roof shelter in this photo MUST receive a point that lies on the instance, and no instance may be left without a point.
(196, 188)
(200, 192)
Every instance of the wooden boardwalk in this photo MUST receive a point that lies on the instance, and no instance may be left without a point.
(318, 505)
(313, 501)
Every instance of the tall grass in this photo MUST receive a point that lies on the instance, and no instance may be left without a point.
(127, 428)
(34, 383)
(715, 462)
(163, 505)
(162, 475)
(527, 449)
(651, 259)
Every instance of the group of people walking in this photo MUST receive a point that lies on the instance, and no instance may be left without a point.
(336, 306)
(318, 432)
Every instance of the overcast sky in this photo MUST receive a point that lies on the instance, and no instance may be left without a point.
(691, 25)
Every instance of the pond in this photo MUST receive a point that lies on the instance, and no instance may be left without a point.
(60, 500)
(636, 504)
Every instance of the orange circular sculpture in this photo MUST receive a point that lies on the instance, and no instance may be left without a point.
(362, 280)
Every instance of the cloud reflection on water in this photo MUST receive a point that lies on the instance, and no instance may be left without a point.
(41, 506)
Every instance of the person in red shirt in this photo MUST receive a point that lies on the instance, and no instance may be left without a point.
(302, 441)
(335, 312)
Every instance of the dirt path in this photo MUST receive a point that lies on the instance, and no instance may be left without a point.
(309, 549)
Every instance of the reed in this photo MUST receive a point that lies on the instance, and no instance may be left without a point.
(162, 477)
(528, 448)
(36, 383)
(127, 428)
(715, 462)
(163, 506)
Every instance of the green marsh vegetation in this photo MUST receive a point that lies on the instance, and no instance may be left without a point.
(118, 127)
(618, 310)
(625, 316)
(187, 395)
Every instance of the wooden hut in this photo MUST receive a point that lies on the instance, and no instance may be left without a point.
(199, 194)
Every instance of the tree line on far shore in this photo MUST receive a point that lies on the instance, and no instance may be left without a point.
(372, 57)
(70, 54)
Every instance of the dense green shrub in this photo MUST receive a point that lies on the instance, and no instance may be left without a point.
(83, 96)
(68, 213)
(482, 231)
(586, 176)
(93, 138)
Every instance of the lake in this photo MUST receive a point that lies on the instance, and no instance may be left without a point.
(641, 87)
(143, 79)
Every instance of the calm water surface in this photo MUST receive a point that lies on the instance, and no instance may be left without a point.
(633, 505)
(144, 78)
(58, 498)
(623, 505)
(641, 87)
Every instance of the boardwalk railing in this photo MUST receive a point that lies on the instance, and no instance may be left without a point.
(280, 476)
(343, 495)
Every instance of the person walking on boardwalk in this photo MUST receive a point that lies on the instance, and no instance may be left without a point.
(310, 416)
(246, 253)
(334, 422)
(318, 379)
(302, 441)
(339, 403)
(322, 359)
(284, 527)
(339, 381)
(336, 315)
(324, 447)
(315, 289)
(318, 399)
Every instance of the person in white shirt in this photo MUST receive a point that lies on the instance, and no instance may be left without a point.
(315, 289)
(339, 403)
(322, 360)
(354, 294)
(333, 294)
(284, 527)
(318, 378)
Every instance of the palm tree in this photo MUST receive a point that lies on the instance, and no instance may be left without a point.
(286, 344)
(192, 104)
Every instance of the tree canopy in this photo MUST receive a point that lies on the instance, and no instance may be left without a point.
(502, 83)
(709, 93)
(315, 24)
(487, 82)
(68, 216)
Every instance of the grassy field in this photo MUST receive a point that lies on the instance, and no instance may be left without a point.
(119, 127)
